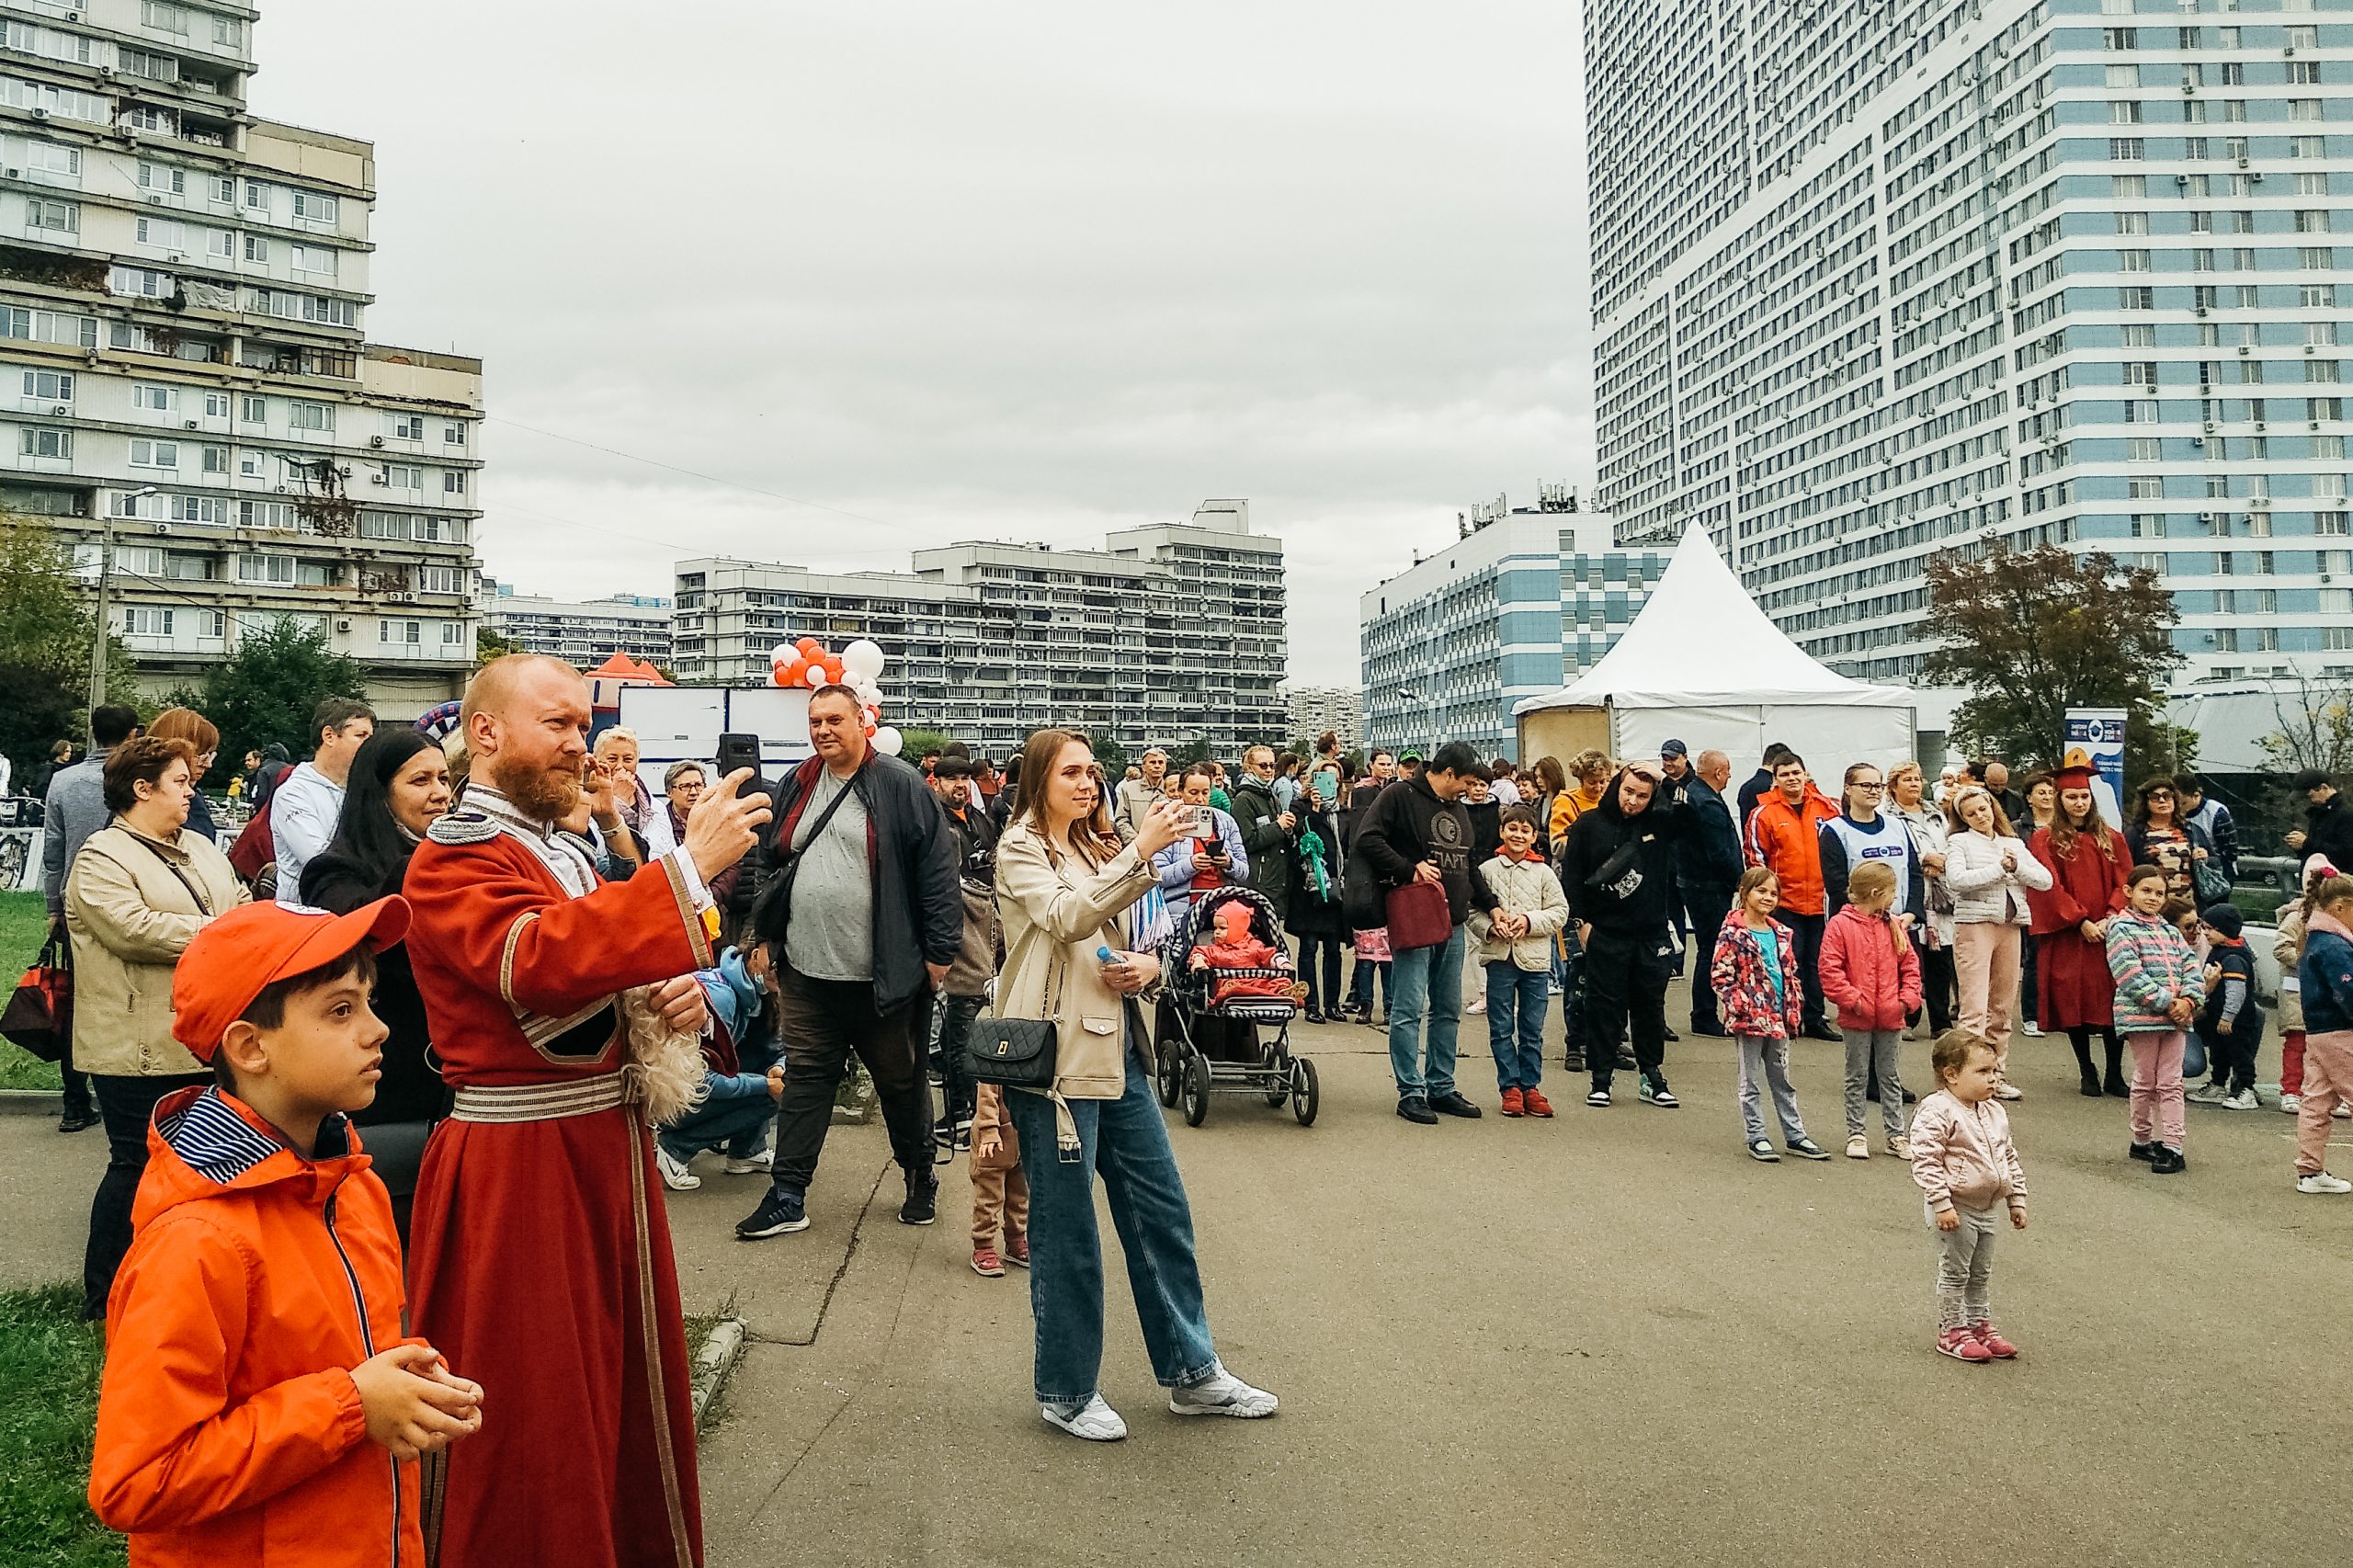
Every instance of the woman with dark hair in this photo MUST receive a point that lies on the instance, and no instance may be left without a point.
(398, 786)
(139, 890)
(2087, 863)
(2160, 836)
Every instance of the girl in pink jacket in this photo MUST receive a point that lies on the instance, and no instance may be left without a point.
(1969, 1172)
(1870, 970)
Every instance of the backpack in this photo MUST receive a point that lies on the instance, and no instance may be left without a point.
(256, 850)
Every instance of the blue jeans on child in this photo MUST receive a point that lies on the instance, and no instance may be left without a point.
(1126, 1143)
(734, 1119)
(1426, 982)
(1516, 1005)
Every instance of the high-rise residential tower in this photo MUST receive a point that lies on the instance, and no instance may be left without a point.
(1874, 282)
(184, 366)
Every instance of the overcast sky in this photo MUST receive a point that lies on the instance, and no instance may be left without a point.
(1027, 270)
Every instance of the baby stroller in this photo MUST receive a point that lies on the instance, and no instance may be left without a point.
(1202, 1046)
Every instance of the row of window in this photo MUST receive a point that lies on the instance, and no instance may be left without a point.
(303, 205)
(164, 397)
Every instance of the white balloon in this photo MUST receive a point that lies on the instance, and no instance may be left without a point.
(887, 741)
(867, 692)
(783, 654)
(863, 658)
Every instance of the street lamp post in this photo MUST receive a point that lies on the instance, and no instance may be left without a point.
(105, 581)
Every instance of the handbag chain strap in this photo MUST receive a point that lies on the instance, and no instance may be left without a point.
(203, 905)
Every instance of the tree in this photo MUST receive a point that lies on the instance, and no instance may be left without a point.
(45, 643)
(913, 743)
(2316, 726)
(264, 691)
(1110, 754)
(1192, 751)
(2034, 632)
(489, 645)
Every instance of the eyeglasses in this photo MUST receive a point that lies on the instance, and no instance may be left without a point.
(1873, 788)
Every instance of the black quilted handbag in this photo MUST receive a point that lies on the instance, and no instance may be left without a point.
(1017, 1053)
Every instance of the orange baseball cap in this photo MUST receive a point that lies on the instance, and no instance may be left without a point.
(256, 944)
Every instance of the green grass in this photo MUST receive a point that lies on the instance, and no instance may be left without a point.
(22, 924)
(48, 1407)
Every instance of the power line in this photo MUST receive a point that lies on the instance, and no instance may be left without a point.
(696, 474)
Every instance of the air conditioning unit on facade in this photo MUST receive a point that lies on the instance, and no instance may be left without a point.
(343, 623)
(375, 440)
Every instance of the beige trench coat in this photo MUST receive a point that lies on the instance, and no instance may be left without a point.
(131, 915)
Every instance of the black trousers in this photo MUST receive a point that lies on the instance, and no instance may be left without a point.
(126, 1106)
(1323, 977)
(1705, 907)
(958, 1093)
(821, 1022)
(78, 1088)
(1625, 984)
(1806, 935)
(1940, 983)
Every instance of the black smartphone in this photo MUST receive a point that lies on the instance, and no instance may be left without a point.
(737, 750)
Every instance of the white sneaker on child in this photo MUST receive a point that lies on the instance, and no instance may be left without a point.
(1094, 1421)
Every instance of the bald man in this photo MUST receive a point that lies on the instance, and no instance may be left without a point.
(1707, 871)
(541, 1255)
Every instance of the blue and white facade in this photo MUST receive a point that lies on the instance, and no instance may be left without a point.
(1873, 283)
(1515, 609)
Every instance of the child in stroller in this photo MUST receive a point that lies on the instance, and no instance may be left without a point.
(1235, 946)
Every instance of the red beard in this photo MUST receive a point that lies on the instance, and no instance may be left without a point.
(542, 795)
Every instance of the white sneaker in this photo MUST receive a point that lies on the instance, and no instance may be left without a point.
(2292, 1104)
(757, 1163)
(2208, 1094)
(675, 1174)
(1222, 1394)
(1478, 1004)
(2031, 1031)
(2343, 1112)
(1858, 1147)
(2005, 1090)
(1094, 1421)
(2321, 1181)
(2243, 1101)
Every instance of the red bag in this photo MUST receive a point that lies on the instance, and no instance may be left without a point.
(257, 847)
(1419, 916)
(40, 1013)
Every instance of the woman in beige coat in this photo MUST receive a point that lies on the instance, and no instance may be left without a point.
(137, 894)
(1067, 888)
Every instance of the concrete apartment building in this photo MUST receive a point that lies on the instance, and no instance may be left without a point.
(581, 631)
(1315, 708)
(1523, 600)
(1875, 283)
(1170, 634)
(184, 362)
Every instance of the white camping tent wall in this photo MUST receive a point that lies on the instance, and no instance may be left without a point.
(1702, 664)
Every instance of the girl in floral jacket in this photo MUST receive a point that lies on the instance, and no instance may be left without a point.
(2158, 990)
(1756, 977)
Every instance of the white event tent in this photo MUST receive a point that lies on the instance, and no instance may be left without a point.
(1703, 664)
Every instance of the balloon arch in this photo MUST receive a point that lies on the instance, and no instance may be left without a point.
(858, 667)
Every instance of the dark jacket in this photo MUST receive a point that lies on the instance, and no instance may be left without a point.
(2328, 830)
(1756, 790)
(1486, 829)
(1272, 857)
(199, 819)
(1636, 897)
(1407, 824)
(1707, 852)
(918, 910)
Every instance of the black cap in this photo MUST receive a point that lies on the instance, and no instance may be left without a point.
(2311, 778)
(1674, 748)
(951, 767)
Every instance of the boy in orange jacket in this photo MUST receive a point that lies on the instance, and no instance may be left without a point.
(260, 1405)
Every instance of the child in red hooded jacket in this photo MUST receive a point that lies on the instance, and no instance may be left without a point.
(260, 1405)
(1872, 974)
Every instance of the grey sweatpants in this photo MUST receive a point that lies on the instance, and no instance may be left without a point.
(1769, 1059)
(1865, 1050)
(1964, 1257)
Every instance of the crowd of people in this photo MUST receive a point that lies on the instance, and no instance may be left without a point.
(533, 991)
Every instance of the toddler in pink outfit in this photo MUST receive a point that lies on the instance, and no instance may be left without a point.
(1969, 1172)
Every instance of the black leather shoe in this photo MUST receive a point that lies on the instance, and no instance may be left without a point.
(1712, 1031)
(1453, 1104)
(1416, 1109)
(1824, 1031)
(78, 1121)
(1670, 1033)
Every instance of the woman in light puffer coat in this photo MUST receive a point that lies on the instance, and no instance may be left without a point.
(1989, 870)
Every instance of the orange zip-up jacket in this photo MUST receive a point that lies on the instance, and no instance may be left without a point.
(230, 1431)
(1788, 839)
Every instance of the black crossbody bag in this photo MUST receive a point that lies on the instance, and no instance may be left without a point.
(772, 909)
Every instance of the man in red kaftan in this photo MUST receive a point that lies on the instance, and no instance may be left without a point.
(541, 1254)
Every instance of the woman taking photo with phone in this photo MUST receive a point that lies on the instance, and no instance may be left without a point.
(1067, 890)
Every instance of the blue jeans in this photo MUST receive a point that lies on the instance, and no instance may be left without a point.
(1360, 982)
(1126, 1143)
(1515, 1003)
(1426, 982)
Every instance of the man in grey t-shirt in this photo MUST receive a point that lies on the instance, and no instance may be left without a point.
(873, 919)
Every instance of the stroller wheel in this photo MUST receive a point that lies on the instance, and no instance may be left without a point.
(1169, 1073)
(1196, 1090)
(1303, 1094)
(1279, 1093)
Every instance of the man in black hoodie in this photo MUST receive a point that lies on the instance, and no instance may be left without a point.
(1616, 869)
(1415, 831)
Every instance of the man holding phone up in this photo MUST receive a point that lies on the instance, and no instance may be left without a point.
(1212, 853)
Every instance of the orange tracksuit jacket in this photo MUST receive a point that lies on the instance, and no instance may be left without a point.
(230, 1431)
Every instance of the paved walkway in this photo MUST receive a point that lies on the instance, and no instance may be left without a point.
(1606, 1339)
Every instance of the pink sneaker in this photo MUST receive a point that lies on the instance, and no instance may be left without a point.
(986, 1263)
(1017, 1250)
(1998, 1347)
(1961, 1344)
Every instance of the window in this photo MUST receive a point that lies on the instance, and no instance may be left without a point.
(163, 178)
(216, 460)
(404, 632)
(454, 435)
(256, 248)
(2312, 185)
(2120, 38)
(146, 117)
(2308, 147)
(265, 515)
(221, 245)
(2148, 525)
(2124, 76)
(229, 32)
(146, 620)
(252, 410)
(2316, 294)
(2125, 150)
(45, 158)
(213, 509)
(61, 216)
(314, 259)
(304, 416)
(2316, 258)
(154, 454)
(2124, 111)
(403, 476)
(453, 482)
(150, 398)
(2320, 332)
(408, 426)
(2131, 223)
(40, 443)
(182, 567)
(2145, 450)
(162, 234)
(2304, 108)
(2303, 73)
(50, 386)
(220, 188)
(440, 531)
(453, 633)
(441, 579)
(163, 17)
(316, 206)
(2309, 220)
(264, 569)
(2144, 488)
